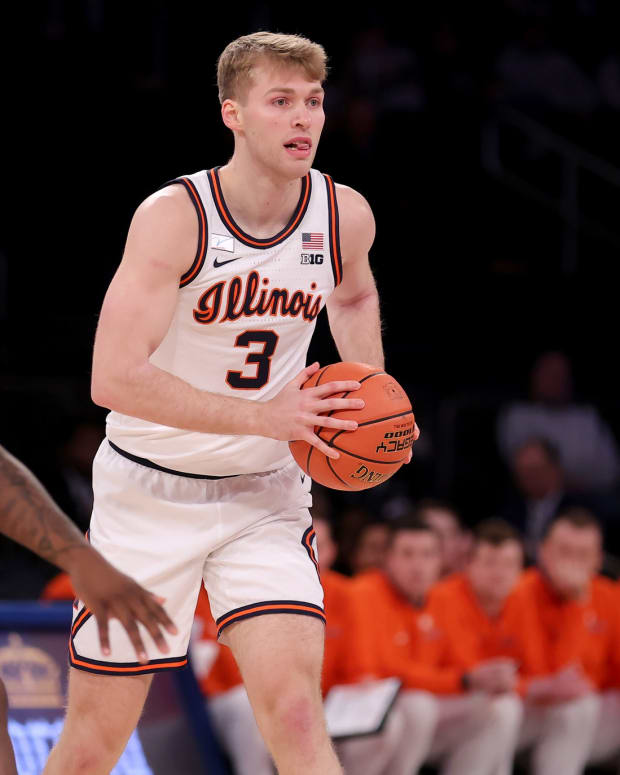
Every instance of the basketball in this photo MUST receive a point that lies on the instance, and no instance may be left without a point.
(381, 443)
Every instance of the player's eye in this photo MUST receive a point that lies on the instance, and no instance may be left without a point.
(281, 101)
(315, 103)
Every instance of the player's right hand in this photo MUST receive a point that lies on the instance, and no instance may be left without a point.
(568, 684)
(110, 594)
(494, 676)
(295, 413)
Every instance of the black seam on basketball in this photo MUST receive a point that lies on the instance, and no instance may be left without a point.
(368, 422)
(322, 374)
(389, 417)
(310, 451)
(348, 393)
(331, 468)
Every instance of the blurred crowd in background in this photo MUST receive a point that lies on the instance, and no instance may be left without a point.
(499, 309)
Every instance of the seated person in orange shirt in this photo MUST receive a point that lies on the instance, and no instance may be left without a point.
(461, 717)
(578, 632)
(370, 545)
(455, 540)
(228, 703)
(479, 609)
(489, 616)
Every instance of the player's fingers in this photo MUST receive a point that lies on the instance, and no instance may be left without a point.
(131, 628)
(409, 456)
(305, 374)
(343, 386)
(416, 432)
(322, 446)
(333, 422)
(104, 635)
(140, 610)
(333, 404)
(161, 615)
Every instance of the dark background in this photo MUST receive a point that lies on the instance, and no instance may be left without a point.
(105, 101)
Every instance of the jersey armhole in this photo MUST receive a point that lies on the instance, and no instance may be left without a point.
(201, 250)
(334, 230)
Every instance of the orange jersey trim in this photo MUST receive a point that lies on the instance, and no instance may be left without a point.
(100, 667)
(236, 231)
(306, 540)
(203, 229)
(334, 230)
(269, 607)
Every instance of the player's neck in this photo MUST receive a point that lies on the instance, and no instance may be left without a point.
(260, 202)
(490, 605)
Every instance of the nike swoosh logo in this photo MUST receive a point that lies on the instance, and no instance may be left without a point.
(217, 263)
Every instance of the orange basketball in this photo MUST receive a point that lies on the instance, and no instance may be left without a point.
(381, 443)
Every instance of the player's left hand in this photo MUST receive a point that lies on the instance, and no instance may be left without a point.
(416, 436)
(110, 594)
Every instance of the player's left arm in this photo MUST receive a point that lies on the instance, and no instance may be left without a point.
(353, 307)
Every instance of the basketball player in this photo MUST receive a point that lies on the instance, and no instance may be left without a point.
(29, 516)
(200, 354)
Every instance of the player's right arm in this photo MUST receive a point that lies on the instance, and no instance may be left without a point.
(135, 317)
(29, 516)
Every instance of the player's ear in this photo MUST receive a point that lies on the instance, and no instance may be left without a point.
(231, 115)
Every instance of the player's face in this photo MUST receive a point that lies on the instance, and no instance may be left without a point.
(452, 539)
(282, 118)
(570, 557)
(494, 570)
(413, 562)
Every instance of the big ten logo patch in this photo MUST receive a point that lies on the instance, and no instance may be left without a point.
(312, 258)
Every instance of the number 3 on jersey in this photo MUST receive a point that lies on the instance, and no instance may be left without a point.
(262, 359)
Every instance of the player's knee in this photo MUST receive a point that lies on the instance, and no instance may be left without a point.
(84, 757)
(296, 714)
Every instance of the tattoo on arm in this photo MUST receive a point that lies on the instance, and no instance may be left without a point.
(29, 516)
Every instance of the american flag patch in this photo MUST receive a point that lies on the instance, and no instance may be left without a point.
(311, 241)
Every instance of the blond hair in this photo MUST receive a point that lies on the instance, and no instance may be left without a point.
(234, 66)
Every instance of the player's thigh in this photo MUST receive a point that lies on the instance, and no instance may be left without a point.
(277, 654)
(104, 708)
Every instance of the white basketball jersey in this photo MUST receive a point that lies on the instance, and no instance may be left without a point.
(244, 318)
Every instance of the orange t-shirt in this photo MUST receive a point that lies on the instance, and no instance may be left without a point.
(583, 632)
(477, 637)
(336, 661)
(391, 637)
(59, 588)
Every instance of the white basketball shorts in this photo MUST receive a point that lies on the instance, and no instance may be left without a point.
(249, 538)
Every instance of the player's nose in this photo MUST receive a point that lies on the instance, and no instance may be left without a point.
(303, 118)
